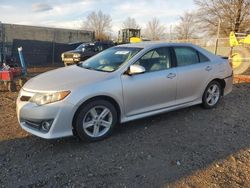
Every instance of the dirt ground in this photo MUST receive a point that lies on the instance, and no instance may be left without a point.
(191, 147)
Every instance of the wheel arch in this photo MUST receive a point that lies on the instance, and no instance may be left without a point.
(221, 82)
(100, 97)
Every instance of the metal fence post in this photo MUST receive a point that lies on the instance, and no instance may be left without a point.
(217, 38)
(53, 47)
(20, 53)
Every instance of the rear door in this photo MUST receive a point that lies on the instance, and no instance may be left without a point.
(194, 70)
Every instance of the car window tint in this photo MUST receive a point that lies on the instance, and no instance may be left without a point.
(155, 54)
(147, 55)
(104, 46)
(155, 60)
(203, 58)
(90, 48)
(99, 48)
(186, 56)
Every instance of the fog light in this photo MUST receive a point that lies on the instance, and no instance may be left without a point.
(46, 125)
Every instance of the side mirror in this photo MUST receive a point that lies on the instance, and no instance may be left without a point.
(135, 69)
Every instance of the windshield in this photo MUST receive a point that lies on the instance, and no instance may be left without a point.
(86, 46)
(80, 47)
(111, 59)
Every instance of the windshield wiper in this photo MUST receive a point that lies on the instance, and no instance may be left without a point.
(89, 68)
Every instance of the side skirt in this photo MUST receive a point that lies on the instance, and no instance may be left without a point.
(151, 113)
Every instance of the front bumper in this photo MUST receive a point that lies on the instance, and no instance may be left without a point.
(71, 61)
(59, 113)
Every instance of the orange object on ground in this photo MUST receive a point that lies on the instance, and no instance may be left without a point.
(241, 78)
(6, 75)
(10, 74)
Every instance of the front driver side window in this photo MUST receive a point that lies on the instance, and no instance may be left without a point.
(155, 60)
(99, 48)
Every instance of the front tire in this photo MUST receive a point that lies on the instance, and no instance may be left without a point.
(96, 120)
(212, 95)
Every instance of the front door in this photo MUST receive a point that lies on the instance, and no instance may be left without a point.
(155, 89)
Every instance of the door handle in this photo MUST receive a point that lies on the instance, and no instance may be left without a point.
(171, 75)
(208, 68)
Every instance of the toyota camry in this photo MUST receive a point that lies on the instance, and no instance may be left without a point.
(121, 84)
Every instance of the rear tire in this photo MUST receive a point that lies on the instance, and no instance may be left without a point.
(96, 120)
(212, 95)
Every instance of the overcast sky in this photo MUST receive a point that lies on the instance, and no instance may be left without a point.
(71, 13)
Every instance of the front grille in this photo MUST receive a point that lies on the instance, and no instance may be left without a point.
(68, 55)
(25, 98)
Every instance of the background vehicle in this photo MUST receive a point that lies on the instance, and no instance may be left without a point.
(240, 53)
(84, 51)
(129, 36)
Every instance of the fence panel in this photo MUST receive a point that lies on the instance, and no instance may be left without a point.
(40, 53)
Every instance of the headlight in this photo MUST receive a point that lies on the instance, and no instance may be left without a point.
(76, 55)
(62, 56)
(46, 98)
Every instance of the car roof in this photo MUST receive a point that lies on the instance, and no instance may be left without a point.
(150, 44)
(157, 44)
(97, 42)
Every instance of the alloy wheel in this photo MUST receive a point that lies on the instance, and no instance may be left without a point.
(97, 121)
(213, 94)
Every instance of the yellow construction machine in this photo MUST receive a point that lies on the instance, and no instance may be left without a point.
(129, 36)
(240, 52)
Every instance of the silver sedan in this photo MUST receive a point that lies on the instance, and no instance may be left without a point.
(121, 84)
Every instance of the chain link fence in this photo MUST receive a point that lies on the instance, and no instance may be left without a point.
(218, 46)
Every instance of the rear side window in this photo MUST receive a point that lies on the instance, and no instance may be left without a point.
(188, 56)
(202, 58)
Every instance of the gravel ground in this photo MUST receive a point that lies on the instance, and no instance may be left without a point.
(191, 147)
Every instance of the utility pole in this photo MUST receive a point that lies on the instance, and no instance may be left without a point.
(217, 38)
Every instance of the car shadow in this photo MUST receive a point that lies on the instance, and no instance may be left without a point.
(151, 152)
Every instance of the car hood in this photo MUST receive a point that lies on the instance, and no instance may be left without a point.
(65, 78)
(73, 52)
